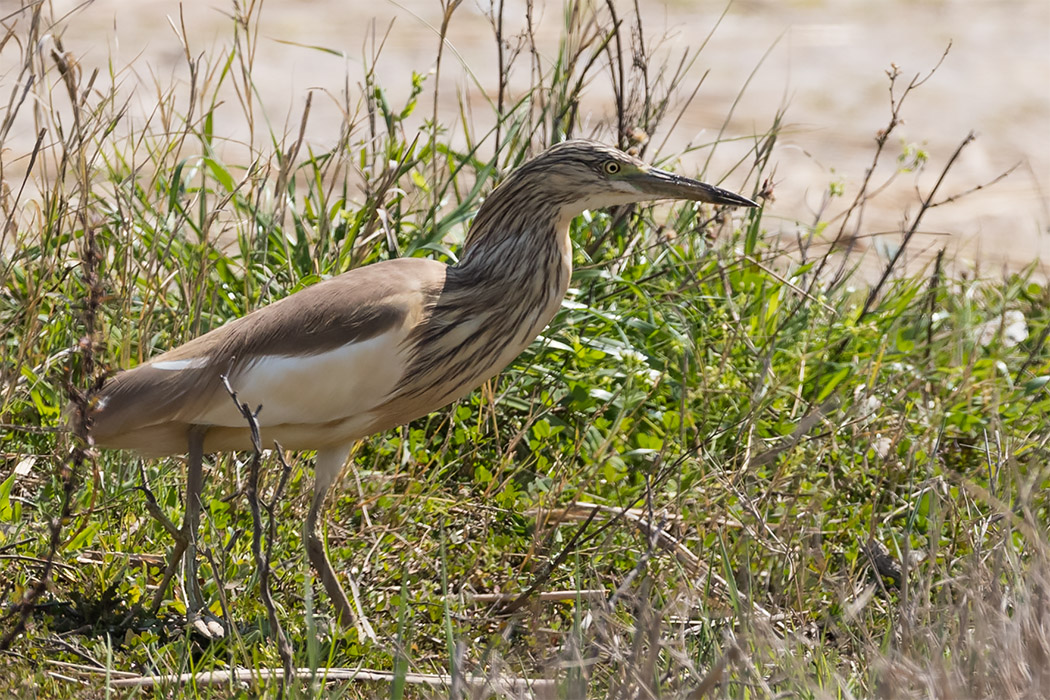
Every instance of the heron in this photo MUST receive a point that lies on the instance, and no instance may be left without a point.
(375, 347)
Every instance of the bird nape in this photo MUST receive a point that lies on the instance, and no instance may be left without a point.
(375, 347)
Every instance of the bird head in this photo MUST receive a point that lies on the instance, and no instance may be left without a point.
(582, 174)
(547, 192)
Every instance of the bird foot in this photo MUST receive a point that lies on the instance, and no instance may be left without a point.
(205, 624)
(198, 617)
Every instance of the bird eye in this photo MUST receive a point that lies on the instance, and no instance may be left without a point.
(612, 167)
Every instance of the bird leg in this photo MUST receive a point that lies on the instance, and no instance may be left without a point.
(329, 463)
(185, 549)
(153, 507)
(315, 549)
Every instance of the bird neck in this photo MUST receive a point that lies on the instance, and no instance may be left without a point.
(518, 245)
(509, 283)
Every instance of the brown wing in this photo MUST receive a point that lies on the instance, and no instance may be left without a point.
(151, 407)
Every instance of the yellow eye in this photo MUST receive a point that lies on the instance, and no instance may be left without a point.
(611, 167)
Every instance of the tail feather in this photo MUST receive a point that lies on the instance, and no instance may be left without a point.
(144, 408)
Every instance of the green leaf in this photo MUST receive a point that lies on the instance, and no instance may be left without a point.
(221, 174)
(7, 513)
(1035, 384)
(84, 537)
(835, 380)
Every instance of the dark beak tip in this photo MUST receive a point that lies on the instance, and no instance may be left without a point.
(738, 201)
(729, 198)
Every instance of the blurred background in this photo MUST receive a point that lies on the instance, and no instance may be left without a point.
(825, 61)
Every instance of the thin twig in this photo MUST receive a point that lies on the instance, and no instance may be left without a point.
(262, 559)
(244, 675)
(881, 139)
(685, 557)
(566, 596)
(569, 547)
(910, 233)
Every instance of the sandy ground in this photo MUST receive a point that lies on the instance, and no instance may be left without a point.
(825, 59)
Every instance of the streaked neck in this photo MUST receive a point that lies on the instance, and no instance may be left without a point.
(516, 238)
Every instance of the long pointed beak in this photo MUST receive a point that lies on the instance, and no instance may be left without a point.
(662, 184)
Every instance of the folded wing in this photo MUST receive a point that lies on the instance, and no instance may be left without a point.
(325, 354)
